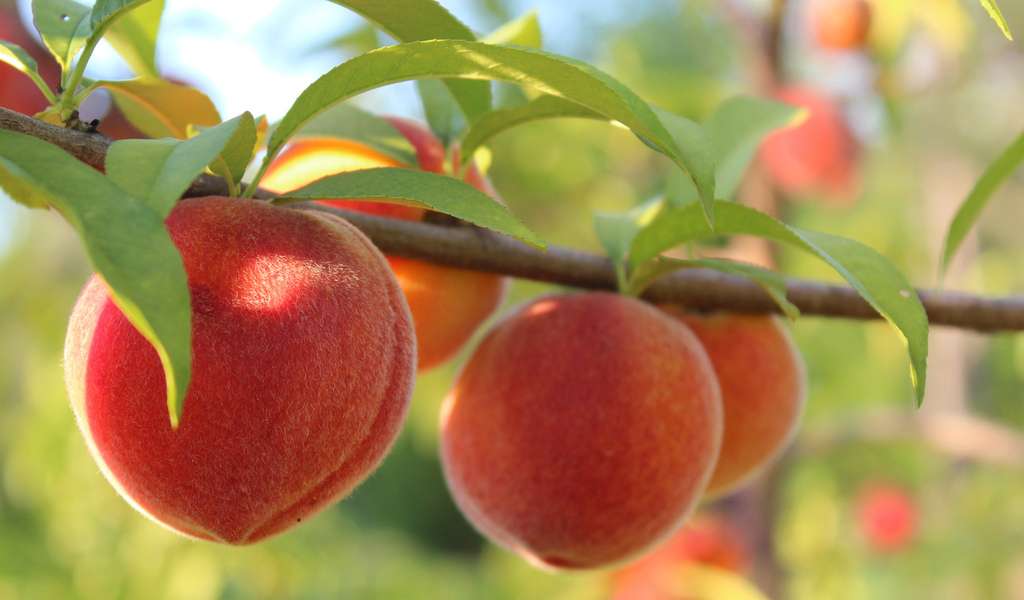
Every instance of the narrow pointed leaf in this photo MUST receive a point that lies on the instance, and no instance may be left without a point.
(105, 12)
(736, 129)
(551, 74)
(159, 108)
(349, 122)
(417, 20)
(970, 210)
(235, 156)
(696, 156)
(772, 282)
(64, 27)
(522, 31)
(874, 277)
(126, 242)
(441, 109)
(133, 36)
(16, 56)
(615, 230)
(997, 16)
(543, 107)
(412, 187)
(159, 171)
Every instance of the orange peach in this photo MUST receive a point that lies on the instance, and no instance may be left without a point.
(817, 158)
(582, 430)
(763, 381)
(706, 539)
(840, 24)
(303, 366)
(447, 304)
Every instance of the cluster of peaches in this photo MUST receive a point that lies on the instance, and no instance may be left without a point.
(819, 158)
(582, 431)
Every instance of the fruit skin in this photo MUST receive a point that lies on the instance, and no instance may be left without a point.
(303, 368)
(840, 24)
(817, 158)
(763, 380)
(887, 514)
(706, 539)
(447, 304)
(582, 430)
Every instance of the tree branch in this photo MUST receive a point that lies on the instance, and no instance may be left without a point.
(473, 248)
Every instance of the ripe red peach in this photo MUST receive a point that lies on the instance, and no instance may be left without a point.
(763, 381)
(840, 24)
(447, 304)
(303, 366)
(582, 430)
(817, 158)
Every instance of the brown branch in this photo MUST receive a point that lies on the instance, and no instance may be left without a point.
(477, 249)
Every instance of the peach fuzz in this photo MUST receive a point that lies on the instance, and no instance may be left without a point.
(582, 430)
(303, 368)
(818, 157)
(447, 304)
(763, 382)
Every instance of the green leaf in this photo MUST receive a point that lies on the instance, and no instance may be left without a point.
(551, 74)
(126, 242)
(418, 20)
(523, 31)
(616, 230)
(870, 273)
(348, 122)
(399, 185)
(736, 129)
(64, 27)
(235, 156)
(696, 156)
(133, 36)
(159, 108)
(106, 12)
(970, 210)
(16, 56)
(997, 16)
(159, 171)
(443, 114)
(772, 282)
(543, 107)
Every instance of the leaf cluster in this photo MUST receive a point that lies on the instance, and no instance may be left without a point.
(119, 214)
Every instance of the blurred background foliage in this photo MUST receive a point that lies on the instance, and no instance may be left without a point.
(932, 100)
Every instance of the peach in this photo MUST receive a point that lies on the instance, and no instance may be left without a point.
(887, 514)
(840, 24)
(763, 381)
(303, 367)
(706, 539)
(819, 157)
(582, 430)
(447, 304)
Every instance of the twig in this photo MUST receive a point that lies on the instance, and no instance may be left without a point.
(481, 250)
